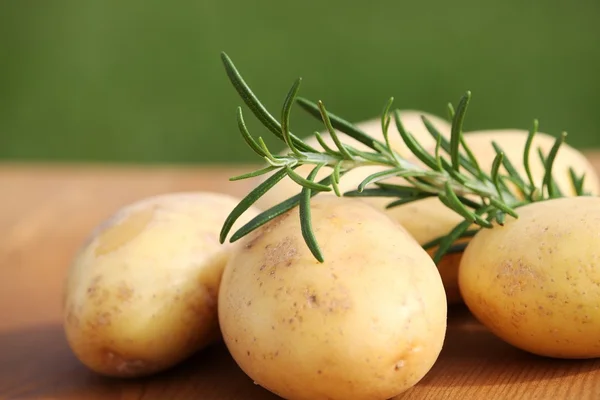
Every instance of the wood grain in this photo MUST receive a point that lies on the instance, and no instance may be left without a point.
(47, 210)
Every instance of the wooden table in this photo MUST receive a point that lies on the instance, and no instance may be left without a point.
(45, 212)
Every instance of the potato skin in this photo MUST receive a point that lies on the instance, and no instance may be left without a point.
(141, 293)
(535, 282)
(368, 323)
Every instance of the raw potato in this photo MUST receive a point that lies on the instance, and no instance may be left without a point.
(141, 294)
(368, 323)
(535, 282)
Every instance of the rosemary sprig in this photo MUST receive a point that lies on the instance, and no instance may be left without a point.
(452, 173)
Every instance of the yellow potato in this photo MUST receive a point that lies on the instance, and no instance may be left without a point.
(141, 293)
(535, 282)
(368, 323)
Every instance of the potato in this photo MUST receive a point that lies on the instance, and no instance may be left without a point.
(535, 282)
(368, 323)
(350, 181)
(141, 293)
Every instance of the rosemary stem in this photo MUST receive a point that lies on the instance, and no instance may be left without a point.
(458, 181)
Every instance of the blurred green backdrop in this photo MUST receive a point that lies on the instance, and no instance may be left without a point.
(142, 81)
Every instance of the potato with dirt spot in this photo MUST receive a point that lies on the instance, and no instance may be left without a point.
(535, 282)
(141, 293)
(367, 323)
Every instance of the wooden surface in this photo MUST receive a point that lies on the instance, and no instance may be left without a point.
(45, 212)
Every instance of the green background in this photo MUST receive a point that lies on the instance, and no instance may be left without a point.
(142, 81)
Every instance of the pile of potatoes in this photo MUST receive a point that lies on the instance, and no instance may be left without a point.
(153, 285)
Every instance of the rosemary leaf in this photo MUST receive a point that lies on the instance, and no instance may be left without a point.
(407, 200)
(253, 174)
(435, 242)
(471, 157)
(500, 218)
(483, 222)
(450, 199)
(324, 145)
(453, 172)
(248, 201)
(527, 151)
(268, 155)
(305, 217)
(385, 122)
(413, 145)
(285, 116)
(456, 132)
(377, 176)
(400, 188)
(375, 158)
(445, 144)
(457, 248)
(451, 112)
(449, 239)
(503, 207)
(257, 108)
(384, 192)
(552, 187)
(334, 136)
(385, 151)
(306, 183)
(459, 231)
(495, 168)
(371, 192)
(335, 181)
(576, 182)
(438, 158)
(514, 174)
(444, 199)
(553, 183)
(423, 185)
(338, 123)
(469, 203)
(246, 134)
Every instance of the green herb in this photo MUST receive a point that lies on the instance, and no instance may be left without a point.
(452, 173)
